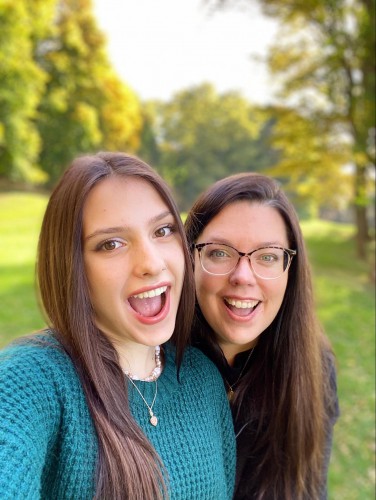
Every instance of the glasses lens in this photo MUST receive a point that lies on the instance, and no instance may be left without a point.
(270, 263)
(218, 259)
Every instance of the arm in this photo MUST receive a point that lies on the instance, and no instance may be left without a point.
(28, 421)
(332, 409)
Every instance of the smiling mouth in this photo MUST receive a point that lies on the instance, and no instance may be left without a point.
(241, 307)
(149, 303)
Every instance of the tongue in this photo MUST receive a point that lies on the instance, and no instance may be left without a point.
(240, 312)
(146, 307)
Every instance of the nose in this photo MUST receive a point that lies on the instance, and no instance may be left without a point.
(147, 259)
(243, 273)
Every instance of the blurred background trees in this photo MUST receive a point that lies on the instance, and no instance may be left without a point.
(324, 58)
(60, 97)
(59, 94)
(202, 137)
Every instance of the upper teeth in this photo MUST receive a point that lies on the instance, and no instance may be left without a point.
(242, 304)
(151, 293)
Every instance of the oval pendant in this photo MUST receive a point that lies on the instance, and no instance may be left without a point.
(154, 420)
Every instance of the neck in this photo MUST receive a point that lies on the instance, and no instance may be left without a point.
(137, 359)
(230, 351)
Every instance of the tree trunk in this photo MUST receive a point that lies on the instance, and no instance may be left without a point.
(361, 202)
(362, 231)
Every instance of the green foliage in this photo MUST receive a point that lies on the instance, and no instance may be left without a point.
(120, 117)
(203, 136)
(324, 59)
(148, 148)
(311, 162)
(22, 84)
(85, 106)
(60, 96)
(345, 301)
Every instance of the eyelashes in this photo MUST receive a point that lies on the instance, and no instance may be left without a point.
(112, 244)
(109, 245)
(166, 230)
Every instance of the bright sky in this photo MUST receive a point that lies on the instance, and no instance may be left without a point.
(159, 47)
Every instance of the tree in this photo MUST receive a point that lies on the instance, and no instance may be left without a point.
(148, 148)
(203, 136)
(85, 106)
(325, 58)
(22, 84)
(59, 94)
(320, 181)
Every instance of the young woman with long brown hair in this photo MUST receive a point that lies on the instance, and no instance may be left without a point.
(255, 319)
(100, 404)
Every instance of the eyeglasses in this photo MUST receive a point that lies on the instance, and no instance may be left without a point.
(268, 263)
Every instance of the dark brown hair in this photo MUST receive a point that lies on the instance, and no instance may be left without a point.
(284, 390)
(128, 465)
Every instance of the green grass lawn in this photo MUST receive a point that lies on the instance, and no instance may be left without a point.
(346, 307)
(345, 302)
(20, 219)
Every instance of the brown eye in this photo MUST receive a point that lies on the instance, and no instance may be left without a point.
(164, 231)
(111, 245)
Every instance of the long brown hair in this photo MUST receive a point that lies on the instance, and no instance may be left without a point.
(128, 465)
(284, 391)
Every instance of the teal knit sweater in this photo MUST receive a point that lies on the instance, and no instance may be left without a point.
(48, 444)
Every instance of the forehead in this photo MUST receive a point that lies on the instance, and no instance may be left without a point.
(247, 222)
(121, 200)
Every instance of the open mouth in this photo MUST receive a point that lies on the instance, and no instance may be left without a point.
(241, 307)
(149, 303)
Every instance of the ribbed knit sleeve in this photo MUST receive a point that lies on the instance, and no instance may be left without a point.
(41, 407)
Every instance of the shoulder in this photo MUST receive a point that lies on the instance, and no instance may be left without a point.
(193, 358)
(35, 361)
(38, 385)
(35, 379)
(195, 365)
(198, 365)
(198, 358)
(330, 381)
(329, 366)
(44, 419)
(39, 347)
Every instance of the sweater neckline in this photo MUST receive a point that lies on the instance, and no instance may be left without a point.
(168, 384)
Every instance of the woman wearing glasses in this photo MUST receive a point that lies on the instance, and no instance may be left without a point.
(255, 319)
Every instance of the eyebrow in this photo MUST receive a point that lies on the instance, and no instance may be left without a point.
(119, 229)
(224, 241)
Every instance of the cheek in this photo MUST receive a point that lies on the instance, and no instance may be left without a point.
(276, 291)
(99, 278)
(199, 281)
(89, 275)
(205, 287)
(174, 258)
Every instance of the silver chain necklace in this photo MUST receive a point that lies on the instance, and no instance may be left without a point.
(153, 418)
(230, 392)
